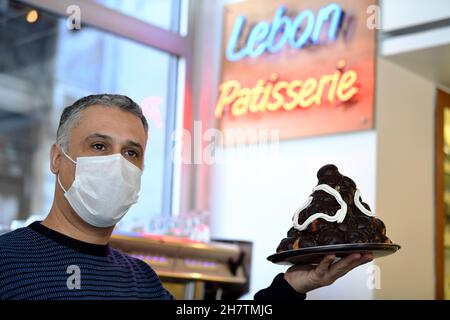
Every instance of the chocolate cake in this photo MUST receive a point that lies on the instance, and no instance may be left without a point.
(333, 214)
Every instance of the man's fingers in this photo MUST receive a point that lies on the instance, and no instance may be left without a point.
(302, 267)
(324, 265)
(367, 257)
(348, 263)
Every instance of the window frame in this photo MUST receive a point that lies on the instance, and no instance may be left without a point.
(96, 15)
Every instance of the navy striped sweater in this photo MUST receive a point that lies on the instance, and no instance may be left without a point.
(39, 263)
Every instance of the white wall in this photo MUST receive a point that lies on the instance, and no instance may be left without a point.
(405, 181)
(254, 196)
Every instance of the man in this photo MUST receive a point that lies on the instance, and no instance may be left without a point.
(98, 160)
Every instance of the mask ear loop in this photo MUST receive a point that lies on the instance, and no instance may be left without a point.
(60, 184)
(67, 156)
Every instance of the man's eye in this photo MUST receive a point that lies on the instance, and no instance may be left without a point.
(99, 147)
(131, 153)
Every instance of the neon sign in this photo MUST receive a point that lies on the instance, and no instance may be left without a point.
(273, 95)
(266, 37)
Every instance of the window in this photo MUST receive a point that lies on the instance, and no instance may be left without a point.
(164, 14)
(44, 67)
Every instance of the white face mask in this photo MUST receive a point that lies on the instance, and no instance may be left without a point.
(105, 187)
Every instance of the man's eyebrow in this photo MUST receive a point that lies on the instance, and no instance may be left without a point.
(134, 144)
(99, 135)
(110, 139)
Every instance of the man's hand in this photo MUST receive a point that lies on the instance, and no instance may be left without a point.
(304, 278)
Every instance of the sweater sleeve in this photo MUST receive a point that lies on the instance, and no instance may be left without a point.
(280, 289)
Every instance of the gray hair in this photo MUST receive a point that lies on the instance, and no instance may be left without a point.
(71, 114)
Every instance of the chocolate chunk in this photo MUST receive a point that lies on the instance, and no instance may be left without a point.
(293, 233)
(285, 244)
(331, 236)
(307, 241)
(381, 227)
(357, 237)
(327, 170)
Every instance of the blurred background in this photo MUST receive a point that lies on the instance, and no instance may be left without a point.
(221, 220)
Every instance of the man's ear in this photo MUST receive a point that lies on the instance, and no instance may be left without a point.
(55, 158)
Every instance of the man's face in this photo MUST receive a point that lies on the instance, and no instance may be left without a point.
(103, 131)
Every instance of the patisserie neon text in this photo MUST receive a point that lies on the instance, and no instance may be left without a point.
(272, 95)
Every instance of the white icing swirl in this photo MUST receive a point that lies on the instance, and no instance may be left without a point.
(340, 213)
(360, 206)
(338, 217)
